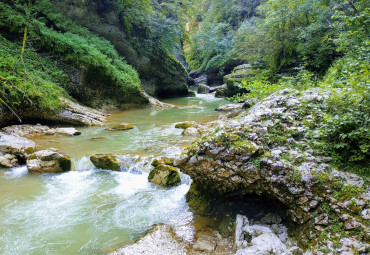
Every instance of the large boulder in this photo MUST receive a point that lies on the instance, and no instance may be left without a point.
(232, 81)
(48, 161)
(105, 161)
(17, 146)
(164, 175)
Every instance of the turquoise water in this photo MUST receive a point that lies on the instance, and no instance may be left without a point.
(92, 211)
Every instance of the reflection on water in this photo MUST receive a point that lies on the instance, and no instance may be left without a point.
(91, 211)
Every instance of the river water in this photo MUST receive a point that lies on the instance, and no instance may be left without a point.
(92, 211)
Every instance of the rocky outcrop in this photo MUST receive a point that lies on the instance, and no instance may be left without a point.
(164, 175)
(266, 151)
(14, 150)
(48, 161)
(105, 161)
(71, 114)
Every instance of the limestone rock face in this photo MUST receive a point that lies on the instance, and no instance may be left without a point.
(71, 114)
(265, 152)
(78, 115)
(15, 145)
(48, 161)
(159, 240)
(105, 161)
(164, 175)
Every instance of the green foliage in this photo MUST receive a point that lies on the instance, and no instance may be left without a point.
(258, 89)
(211, 42)
(148, 29)
(22, 90)
(53, 33)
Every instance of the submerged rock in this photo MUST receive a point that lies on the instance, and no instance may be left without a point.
(17, 146)
(160, 240)
(105, 161)
(48, 161)
(164, 175)
(184, 125)
(121, 127)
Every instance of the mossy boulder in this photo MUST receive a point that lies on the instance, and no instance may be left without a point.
(232, 80)
(48, 161)
(164, 175)
(105, 161)
(163, 161)
(184, 125)
(242, 72)
(121, 127)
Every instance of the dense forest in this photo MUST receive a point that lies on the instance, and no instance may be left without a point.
(53, 49)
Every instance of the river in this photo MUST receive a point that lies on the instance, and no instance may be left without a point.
(92, 211)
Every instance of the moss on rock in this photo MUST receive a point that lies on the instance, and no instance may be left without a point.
(121, 127)
(164, 175)
(198, 201)
(184, 125)
(105, 161)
